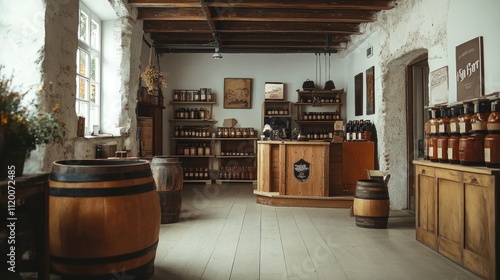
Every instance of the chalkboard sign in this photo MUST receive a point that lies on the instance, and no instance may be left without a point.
(470, 73)
(358, 94)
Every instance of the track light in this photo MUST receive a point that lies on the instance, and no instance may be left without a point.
(216, 55)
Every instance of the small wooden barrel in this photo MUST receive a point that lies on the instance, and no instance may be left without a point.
(371, 204)
(104, 219)
(168, 175)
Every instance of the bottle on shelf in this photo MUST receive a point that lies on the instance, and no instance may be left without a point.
(348, 126)
(492, 140)
(471, 145)
(443, 132)
(432, 152)
(454, 139)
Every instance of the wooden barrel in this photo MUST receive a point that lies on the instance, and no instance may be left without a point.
(104, 219)
(168, 175)
(371, 204)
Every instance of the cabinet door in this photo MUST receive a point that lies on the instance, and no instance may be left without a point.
(450, 213)
(357, 158)
(426, 200)
(479, 222)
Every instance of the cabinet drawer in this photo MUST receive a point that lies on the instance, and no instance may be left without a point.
(425, 170)
(477, 179)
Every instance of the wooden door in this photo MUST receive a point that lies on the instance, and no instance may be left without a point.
(479, 224)
(450, 213)
(426, 204)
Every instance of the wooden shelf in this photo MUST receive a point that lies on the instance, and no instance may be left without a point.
(250, 156)
(193, 102)
(218, 182)
(236, 139)
(312, 122)
(194, 120)
(321, 91)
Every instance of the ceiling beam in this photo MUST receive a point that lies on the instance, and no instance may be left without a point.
(264, 4)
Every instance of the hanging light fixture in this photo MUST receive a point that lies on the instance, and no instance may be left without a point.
(217, 55)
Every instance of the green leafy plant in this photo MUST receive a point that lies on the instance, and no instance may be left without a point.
(25, 126)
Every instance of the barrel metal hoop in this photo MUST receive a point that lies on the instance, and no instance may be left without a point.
(93, 177)
(94, 192)
(104, 260)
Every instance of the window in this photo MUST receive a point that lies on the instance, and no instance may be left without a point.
(88, 76)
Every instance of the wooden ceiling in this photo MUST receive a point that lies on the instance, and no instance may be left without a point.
(255, 26)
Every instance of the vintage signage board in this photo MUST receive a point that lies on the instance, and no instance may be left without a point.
(470, 70)
(301, 170)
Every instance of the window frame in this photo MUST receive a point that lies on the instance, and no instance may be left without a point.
(87, 106)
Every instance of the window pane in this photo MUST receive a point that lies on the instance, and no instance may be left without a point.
(82, 85)
(94, 68)
(83, 59)
(92, 92)
(82, 31)
(94, 35)
(94, 116)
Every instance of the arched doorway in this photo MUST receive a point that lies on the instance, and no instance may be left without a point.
(402, 87)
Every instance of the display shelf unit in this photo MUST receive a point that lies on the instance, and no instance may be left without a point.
(192, 128)
(278, 114)
(319, 109)
(237, 159)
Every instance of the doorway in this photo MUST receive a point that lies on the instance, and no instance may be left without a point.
(417, 98)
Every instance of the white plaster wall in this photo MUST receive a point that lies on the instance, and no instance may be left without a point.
(40, 49)
(194, 71)
(400, 35)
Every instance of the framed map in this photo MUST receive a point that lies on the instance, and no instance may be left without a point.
(237, 93)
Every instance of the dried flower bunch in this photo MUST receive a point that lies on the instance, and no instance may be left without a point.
(26, 127)
(152, 76)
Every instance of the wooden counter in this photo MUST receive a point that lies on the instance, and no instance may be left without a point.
(457, 213)
(334, 169)
(293, 168)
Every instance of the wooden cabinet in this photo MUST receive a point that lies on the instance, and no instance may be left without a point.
(150, 122)
(192, 141)
(29, 194)
(456, 213)
(237, 159)
(318, 110)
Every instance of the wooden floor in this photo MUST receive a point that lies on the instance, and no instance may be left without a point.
(224, 234)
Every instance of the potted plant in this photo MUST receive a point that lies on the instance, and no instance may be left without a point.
(24, 126)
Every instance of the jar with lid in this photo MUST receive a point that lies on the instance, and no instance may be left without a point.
(471, 147)
(492, 139)
(434, 124)
(442, 141)
(427, 133)
(454, 139)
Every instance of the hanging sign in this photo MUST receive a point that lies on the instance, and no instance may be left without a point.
(301, 170)
(470, 73)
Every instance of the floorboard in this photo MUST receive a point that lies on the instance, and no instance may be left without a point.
(224, 234)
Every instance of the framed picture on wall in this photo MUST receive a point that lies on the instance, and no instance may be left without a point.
(370, 91)
(439, 86)
(237, 93)
(470, 71)
(273, 90)
(358, 94)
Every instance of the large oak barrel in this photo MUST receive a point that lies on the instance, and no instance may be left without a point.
(104, 219)
(371, 204)
(168, 175)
